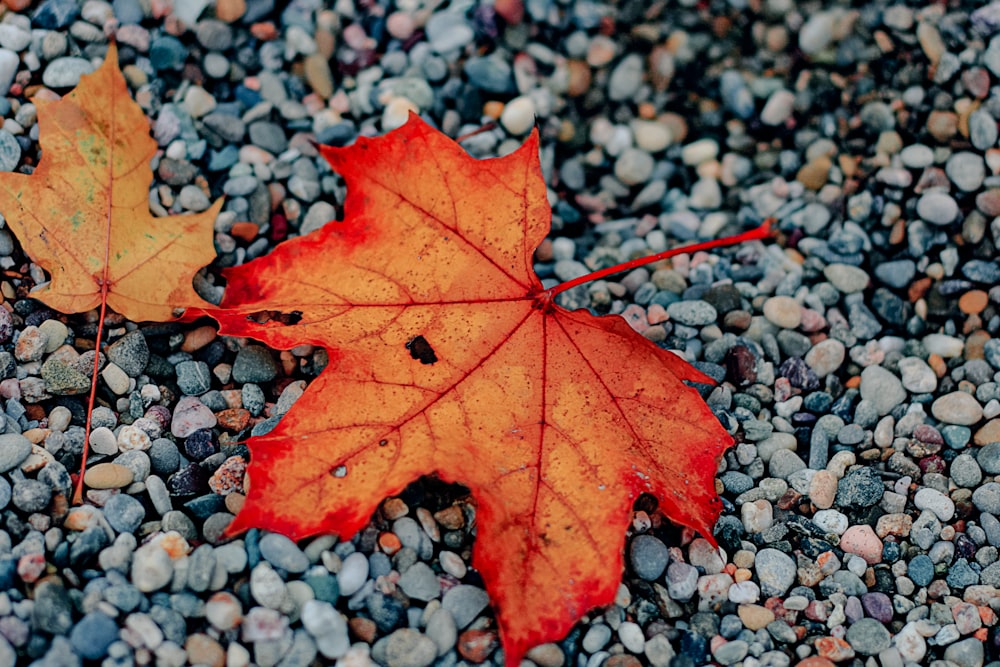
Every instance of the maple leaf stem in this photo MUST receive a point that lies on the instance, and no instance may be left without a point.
(78, 492)
(762, 232)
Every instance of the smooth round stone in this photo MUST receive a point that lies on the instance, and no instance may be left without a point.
(397, 111)
(931, 499)
(10, 151)
(699, 151)
(988, 458)
(986, 498)
(648, 557)
(937, 208)
(14, 449)
(626, 78)
(224, 611)
(775, 570)
(409, 648)
(705, 194)
(353, 574)
(826, 357)
(465, 603)
(327, 626)
(966, 170)
(651, 136)
(692, 313)
(93, 634)
(882, 388)
(254, 363)
(917, 376)
(107, 476)
(917, 156)
(66, 72)
(816, 34)
(957, 407)
(518, 116)
(31, 495)
(634, 166)
(448, 31)
(868, 636)
(420, 582)
(943, 345)
(266, 586)
(862, 541)
(152, 568)
(783, 311)
(778, 107)
(846, 278)
(982, 129)
(124, 513)
(282, 553)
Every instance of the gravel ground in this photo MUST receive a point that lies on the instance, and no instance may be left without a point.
(856, 359)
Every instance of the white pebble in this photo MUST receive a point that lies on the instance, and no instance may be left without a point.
(519, 115)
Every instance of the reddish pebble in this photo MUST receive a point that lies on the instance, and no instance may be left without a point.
(862, 541)
(233, 419)
(834, 649)
(477, 645)
(815, 661)
(656, 314)
(635, 315)
(229, 476)
(30, 567)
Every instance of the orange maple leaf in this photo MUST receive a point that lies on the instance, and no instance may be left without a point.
(447, 356)
(84, 215)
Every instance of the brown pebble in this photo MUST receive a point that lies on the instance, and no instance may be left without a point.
(814, 174)
(815, 661)
(988, 202)
(362, 629)
(451, 518)
(990, 432)
(198, 338)
(973, 301)
(624, 660)
(107, 476)
(235, 502)
(546, 655)
(394, 508)
(942, 125)
(754, 616)
(203, 650)
(230, 10)
(975, 343)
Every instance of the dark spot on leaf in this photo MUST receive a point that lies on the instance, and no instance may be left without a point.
(421, 350)
(383, 442)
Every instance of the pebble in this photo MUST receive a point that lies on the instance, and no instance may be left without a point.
(882, 388)
(66, 72)
(14, 449)
(957, 407)
(775, 570)
(518, 115)
(648, 557)
(937, 208)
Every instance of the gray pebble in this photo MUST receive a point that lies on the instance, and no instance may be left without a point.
(282, 553)
(465, 602)
(66, 72)
(124, 513)
(14, 449)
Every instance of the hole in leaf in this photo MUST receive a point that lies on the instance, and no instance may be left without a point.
(276, 316)
(421, 350)
(339, 471)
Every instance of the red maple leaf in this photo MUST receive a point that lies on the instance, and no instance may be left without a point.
(448, 357)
